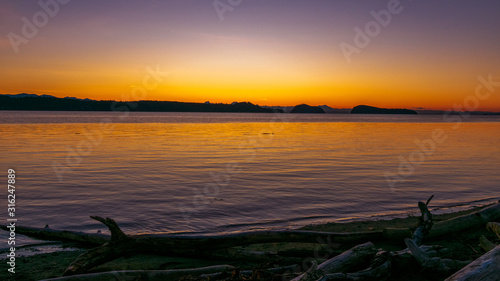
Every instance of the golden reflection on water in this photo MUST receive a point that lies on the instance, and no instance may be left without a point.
(287, 173)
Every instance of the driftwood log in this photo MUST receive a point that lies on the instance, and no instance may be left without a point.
(248, 274)
(121, 244)
(180, 243)
(433, 265)
(486, 244)
(151, 275)
(333, 269)
(346, 262)
(494, 227)
(454, 225)
(118, 246)
(425, 222)
(379, 270)
(486, 268)
(353, 264)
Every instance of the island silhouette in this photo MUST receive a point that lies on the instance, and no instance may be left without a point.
(51, 103)
(365, 109)
(304, 108)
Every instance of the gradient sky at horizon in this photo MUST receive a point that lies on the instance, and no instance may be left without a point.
(266, 52)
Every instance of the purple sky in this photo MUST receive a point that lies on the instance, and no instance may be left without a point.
(268, 52)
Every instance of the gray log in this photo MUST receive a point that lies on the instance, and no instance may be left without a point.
(485, 268)
(348, 261)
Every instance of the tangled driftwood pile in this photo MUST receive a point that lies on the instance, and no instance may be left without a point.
(362, 262)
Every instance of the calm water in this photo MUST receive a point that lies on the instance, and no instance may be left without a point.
(211, 172)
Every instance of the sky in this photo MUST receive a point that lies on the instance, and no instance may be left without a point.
(387, 53)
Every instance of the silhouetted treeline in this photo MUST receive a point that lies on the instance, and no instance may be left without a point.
(65, 104)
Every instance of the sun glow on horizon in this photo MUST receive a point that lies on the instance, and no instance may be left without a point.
(262, 53)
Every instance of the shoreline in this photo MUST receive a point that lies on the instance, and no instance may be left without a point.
(31, 246)
(299, 224)
(395, 221)
(463, 246)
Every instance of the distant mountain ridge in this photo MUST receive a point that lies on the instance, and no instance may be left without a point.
(24, 95)
(326, 108)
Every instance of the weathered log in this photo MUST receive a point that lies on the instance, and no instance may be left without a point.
(47, 233)
(396, 234)
(305, 253)
(33, 245)
(274, 270)
(434, 265)
(379, 270)
(250, 256)
(429, 250)
(349, 261)
(417, 253)
(254, 256)
(457, 224)
(380, 273)
(476, 219)
(249, 274)
(423, 228)
(178, 243)
(494, 227)
(151, 275)
(401, 260)
(118, 246)
(486, 267)
(486, 244)
(425, 222)
(311, 274)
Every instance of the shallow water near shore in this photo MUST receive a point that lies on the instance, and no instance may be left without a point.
(211, 172)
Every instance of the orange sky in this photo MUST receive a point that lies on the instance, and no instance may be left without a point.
(278, 53)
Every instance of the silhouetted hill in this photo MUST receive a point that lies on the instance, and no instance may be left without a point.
(34, 102)
(24, 95)
(365, 109)
(304, 108)
(329, 109)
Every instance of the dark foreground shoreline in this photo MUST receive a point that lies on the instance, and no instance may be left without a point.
(462, 246)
